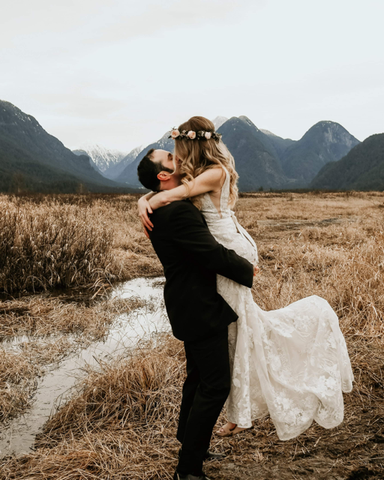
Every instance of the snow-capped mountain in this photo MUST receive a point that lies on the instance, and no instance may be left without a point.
(115, 170)
(40, 161)
(103, 159)
(129, 174)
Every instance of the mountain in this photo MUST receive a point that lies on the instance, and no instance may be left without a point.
(32, 159)
(265, 160)
(361, 169)
(255, 154)
(129, 174)
(218, 122)
(118, 168)
(102, 158)
(110, 163)
(279, 144)
(323, 143)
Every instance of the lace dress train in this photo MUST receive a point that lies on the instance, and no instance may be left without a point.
(291, 363)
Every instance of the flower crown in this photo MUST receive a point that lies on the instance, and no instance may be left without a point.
(191, 135)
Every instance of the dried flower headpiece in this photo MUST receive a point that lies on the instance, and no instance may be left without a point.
(191, 135)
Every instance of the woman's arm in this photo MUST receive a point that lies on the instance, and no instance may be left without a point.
(206, 182)
(144, 210)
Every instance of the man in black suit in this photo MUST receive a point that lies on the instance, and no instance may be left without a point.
(199, 316)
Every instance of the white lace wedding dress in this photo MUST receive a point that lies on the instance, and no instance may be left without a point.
(290, 363)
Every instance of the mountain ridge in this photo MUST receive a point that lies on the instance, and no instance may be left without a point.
(324, 142)
(31, 157)
(361, 169)
(28, 151)
(263, 159)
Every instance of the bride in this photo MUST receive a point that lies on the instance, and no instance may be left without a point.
(290, 363)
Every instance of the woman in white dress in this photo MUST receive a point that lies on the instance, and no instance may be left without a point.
(290, 363)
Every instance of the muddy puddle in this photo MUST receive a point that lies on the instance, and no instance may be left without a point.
(54, 388)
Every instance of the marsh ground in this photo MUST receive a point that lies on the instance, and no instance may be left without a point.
(120, 422)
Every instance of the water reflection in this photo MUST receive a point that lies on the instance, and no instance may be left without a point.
(55, 387)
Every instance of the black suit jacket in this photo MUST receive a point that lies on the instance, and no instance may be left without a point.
(191, 258)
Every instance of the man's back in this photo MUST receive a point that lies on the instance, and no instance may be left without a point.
(191, 258)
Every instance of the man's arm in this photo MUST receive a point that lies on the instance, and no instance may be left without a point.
(193, 236)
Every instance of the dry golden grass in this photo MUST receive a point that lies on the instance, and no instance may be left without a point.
(54, 328)
(17, 380)
(121, 422)
(68, 241)
(41, 315)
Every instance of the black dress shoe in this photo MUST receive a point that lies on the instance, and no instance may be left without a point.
(214, 456)
(189, 476)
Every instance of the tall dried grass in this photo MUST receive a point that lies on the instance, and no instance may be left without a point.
(67, 241)
(121, 422)
(43, 248)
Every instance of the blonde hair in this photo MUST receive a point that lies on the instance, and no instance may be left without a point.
(197, 156)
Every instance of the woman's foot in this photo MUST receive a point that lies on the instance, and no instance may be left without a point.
(230, 429)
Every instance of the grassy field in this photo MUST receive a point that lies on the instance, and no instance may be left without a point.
(59, 255)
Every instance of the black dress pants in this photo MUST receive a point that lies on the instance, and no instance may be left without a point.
(204, 393)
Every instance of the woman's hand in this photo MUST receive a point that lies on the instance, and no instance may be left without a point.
(256, 270)
(145, 210)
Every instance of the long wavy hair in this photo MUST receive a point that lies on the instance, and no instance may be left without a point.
(196, 156)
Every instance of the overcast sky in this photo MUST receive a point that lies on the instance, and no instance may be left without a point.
(121, 73)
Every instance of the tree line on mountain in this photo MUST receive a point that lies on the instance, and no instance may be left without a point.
(326, 157)
(33, 160)
(264, 160)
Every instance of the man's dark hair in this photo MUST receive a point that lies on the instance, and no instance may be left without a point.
(148, 170)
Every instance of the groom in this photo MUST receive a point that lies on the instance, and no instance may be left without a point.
(199, 316)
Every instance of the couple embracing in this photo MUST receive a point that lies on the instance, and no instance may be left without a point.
(290, 363)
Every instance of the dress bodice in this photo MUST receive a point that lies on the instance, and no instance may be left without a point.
(224, 226)
(209, 210)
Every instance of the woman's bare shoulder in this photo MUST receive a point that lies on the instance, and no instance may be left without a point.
(214, 175)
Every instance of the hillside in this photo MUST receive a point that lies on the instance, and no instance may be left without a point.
(106, 161)
(255, 156)
(116, 170)
(32, 159)
(129, 174)
(323, 143)
(361, 169)
(265, 160)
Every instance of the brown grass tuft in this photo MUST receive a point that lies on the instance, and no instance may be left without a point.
(85, 241)
(17, 381)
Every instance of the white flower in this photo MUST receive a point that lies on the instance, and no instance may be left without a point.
(208, 135)
(175, 133)
(191, 134)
